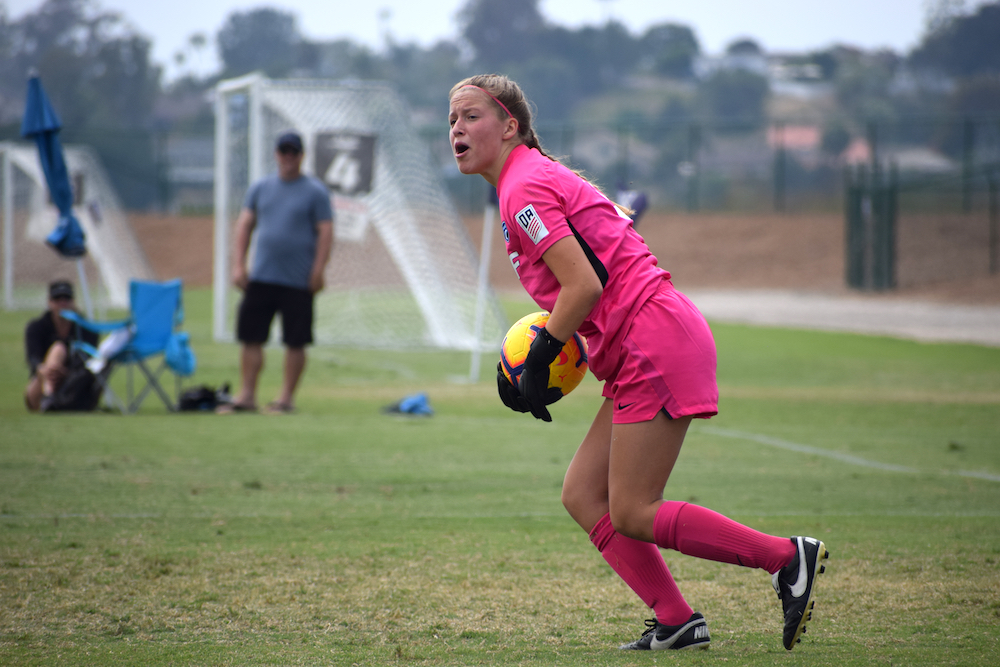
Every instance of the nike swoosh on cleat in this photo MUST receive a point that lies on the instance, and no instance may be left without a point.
(798, 589)
(657, 645)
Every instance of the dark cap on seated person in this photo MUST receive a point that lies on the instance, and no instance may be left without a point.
(60, 289)
(290, 140)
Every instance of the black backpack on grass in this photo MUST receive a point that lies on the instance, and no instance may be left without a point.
(203, 398)
(79, 392)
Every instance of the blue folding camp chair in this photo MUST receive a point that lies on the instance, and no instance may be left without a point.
(151, 330)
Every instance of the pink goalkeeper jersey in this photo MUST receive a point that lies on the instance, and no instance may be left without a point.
(541, 202)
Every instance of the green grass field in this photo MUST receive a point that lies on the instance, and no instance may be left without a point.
(345, 536)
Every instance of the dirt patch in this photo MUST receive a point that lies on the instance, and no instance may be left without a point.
(176, 246)
(726, 251)
(703, 251)
(795, 252)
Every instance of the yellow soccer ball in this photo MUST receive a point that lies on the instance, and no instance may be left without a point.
(565, 372)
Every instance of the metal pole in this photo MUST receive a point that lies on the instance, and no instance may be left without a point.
(256, 131)
(873, 145)
(220, 277)
(968, 160)
(484, 270)
(694, 147)
(87, 304)
(854, 237)
(8, 230)
(994, 231)
(779, 168)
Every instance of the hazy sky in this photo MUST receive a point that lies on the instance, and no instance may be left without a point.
(778, 25)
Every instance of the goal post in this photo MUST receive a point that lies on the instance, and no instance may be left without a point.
(114, 256)
(403, 272)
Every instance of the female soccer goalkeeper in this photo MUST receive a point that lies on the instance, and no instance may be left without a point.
(579, 258)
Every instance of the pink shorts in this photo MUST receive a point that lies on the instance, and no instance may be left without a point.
(667, 363)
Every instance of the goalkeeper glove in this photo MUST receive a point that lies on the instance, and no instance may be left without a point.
(509, 394)
(534, 381)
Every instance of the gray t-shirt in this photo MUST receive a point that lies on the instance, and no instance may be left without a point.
(285, 235)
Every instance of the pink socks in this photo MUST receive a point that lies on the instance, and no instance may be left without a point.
(691, 530)
(700, 532)
(642, 567)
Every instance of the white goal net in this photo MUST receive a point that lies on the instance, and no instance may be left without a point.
(114, 256)
(403, 273)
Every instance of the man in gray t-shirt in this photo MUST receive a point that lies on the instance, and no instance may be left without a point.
(289, 217)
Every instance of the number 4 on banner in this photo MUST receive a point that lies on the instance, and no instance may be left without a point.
(343, 174)
(345, 161)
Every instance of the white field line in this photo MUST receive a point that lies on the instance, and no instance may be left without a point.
(838, 456)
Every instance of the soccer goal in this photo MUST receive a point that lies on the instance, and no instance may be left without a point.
(403, 273)
(114, 255)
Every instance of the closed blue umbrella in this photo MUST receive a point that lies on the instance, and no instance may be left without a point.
(41, 122)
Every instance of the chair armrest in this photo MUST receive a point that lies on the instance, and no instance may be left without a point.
(96, 327)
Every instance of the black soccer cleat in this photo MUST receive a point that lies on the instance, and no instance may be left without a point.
(657, 637)
(794, 586)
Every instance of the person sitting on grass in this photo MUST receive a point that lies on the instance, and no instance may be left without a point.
(47, 345)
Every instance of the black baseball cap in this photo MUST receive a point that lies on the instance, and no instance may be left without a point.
(290, 140)
(60, 289)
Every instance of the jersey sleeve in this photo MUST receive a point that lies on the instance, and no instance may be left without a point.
(538, 215)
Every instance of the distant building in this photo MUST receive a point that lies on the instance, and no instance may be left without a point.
(786, 73)
(706, 66)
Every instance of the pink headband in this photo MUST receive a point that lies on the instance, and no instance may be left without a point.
(502, 106)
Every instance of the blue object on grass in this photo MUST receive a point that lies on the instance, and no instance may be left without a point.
(416, 404)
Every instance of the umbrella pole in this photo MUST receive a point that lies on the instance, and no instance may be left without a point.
(88, 306)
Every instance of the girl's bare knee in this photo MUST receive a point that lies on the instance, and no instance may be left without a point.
(633, 520)
(585, 508)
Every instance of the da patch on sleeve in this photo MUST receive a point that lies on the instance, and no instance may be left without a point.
(532, 225)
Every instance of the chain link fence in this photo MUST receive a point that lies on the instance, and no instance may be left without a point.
(940, 167)
(911, 230)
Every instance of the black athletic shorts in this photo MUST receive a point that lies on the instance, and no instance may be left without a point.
(260, 303)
